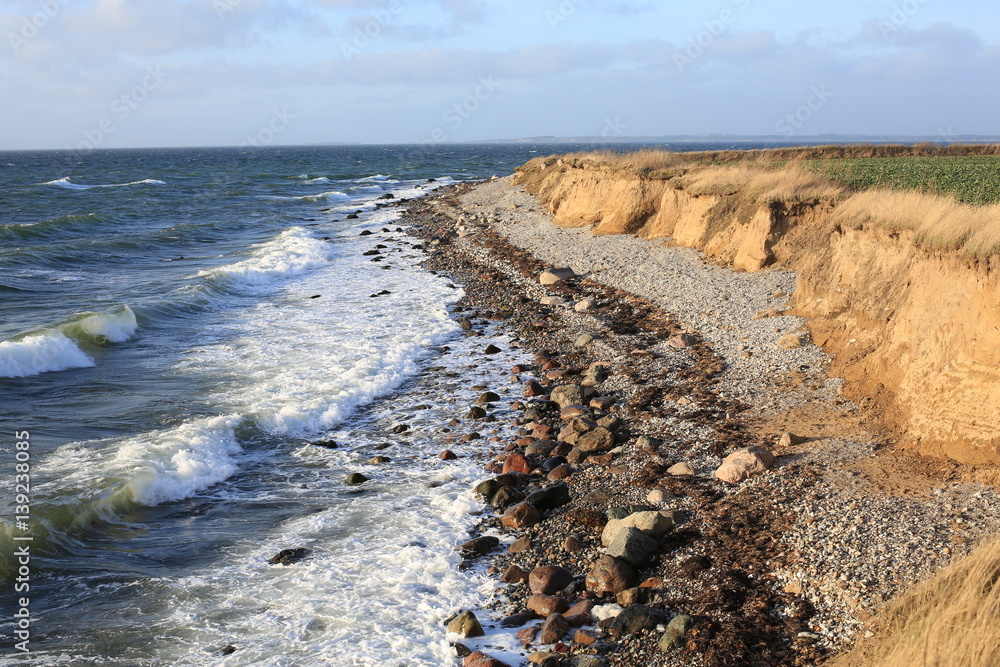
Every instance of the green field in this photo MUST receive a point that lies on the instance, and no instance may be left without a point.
(972, 179)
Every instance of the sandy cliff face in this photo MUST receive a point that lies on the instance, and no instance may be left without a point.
(917, 330)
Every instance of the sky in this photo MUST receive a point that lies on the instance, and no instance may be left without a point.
(145, 73)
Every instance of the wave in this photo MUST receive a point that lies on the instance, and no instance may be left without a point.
(53, 226)
(61, 347)
(65, 183)
(320, 179)
(94, 485)
(292, 253)
(322, 196)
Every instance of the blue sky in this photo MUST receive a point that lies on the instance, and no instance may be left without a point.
(122, 73)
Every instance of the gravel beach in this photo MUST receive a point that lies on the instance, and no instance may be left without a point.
(651, 366)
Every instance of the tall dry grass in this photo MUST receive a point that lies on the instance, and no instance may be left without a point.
(937, 221)
(951, 620)
(787, 184)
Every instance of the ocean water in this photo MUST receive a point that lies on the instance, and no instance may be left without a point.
(176, 328)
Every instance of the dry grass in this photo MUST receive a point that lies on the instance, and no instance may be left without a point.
(938, 222)
(784, 184)
(951, 620)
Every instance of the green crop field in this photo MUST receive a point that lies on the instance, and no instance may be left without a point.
(973, 179)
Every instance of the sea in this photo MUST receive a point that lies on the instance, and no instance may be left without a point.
(178, 329)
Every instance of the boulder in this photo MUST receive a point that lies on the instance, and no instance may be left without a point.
(479, 546)
(682, 469)
(633, 546)
(480, 659)
(355, 479)
(636, 619)
(466, 624)
(673, 637)
(505, 497)
(567, 394)
(288, 556)
(517, 463)
(610, 575)
(514, 575)
(487, 397)
(553, 629)
(553, 276)
(599, 439)
(550, 498)
(519, 545)
(522, 515)
(654, 524)
(549, 579)
(583, 305)
(545, 605)
(744, 463)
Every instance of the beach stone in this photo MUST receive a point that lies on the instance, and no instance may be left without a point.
(636, 619)
(540, 448)
(562, 449)
(633, 546)
(532, 388)
(479, 546)
(657, 496)
(560, 472)
(744, 463)
(488, 397)
(553, 629)
(682, 341)
(789, 439)
(682, 469)
(549, 579)
(522, 515)
(448, 455)
(505, 497)
(379, 460)
(517, 620)
(517, 463)
(519, 545)
(288, 556)
(464, 323)
(587, 637)
(514, 575)
(583, 607)
(576, 410)
(673, 636)
(610, 575)
(492, 349)
(527, 635)
(576, 456)
(583, 305)
(573, 544)
(553, 276)
(602, 403)
(599, 439)
(552, 301)
(544, 605)
(611, 422)
(476, 412)
(550, 498)
(652, 523)
(567, 394)
(480, 659)
(583, 340)
(487, 488)
(466, 624)
(540, 431)
(356, 479)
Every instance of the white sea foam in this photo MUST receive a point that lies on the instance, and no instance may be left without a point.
(293, 252)
(318, 179)
(58, 347)
(177, 463)
(68, 185)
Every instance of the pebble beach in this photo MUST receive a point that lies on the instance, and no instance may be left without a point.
(679, 481)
